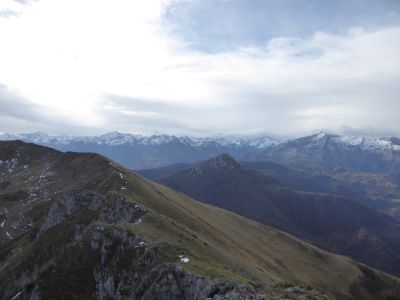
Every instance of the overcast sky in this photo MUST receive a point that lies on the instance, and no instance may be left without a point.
(200, 67)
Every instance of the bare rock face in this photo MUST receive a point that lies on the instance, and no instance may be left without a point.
(131, 268)
(118, 209)
(111, 208)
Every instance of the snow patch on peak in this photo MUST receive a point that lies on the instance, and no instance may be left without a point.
(371, 144)
(350, 140)
(112, 134)
(378, 144)
(263, 142)
(320, 135)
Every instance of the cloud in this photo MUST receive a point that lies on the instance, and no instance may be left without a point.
(217, 25)
(12, 8)
(117, 67)
(146, 116)
(15, 106)
(18, 114)
(6, 13)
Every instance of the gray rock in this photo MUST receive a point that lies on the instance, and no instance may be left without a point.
(111, 208)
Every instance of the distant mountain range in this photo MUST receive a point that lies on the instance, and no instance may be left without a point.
(140, 152)
(80, 226)
(117, 138)
(324, 151)
(145, 152)
(336, 223)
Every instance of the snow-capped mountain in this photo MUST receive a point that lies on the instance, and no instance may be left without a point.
(357, 153)
(117, 138)
(333, 142)
(139, 151)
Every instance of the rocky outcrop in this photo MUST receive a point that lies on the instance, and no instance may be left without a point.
(132, 269)
(111, 208)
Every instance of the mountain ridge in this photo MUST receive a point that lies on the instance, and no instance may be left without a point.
(137, 151)
(117, 138)
(321, 150)
(339, 224)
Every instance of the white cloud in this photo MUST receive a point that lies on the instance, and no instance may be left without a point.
(67, 56)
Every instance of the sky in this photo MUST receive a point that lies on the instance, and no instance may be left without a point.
(200, 67)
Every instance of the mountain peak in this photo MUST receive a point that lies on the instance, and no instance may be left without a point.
(112, 135)
(322, 135)
(222, 161)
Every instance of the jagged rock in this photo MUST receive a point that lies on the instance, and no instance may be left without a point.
(132, 269)
(218, 287)
(68, 204)
(119, 209)
(111, 208)
(242, 292)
